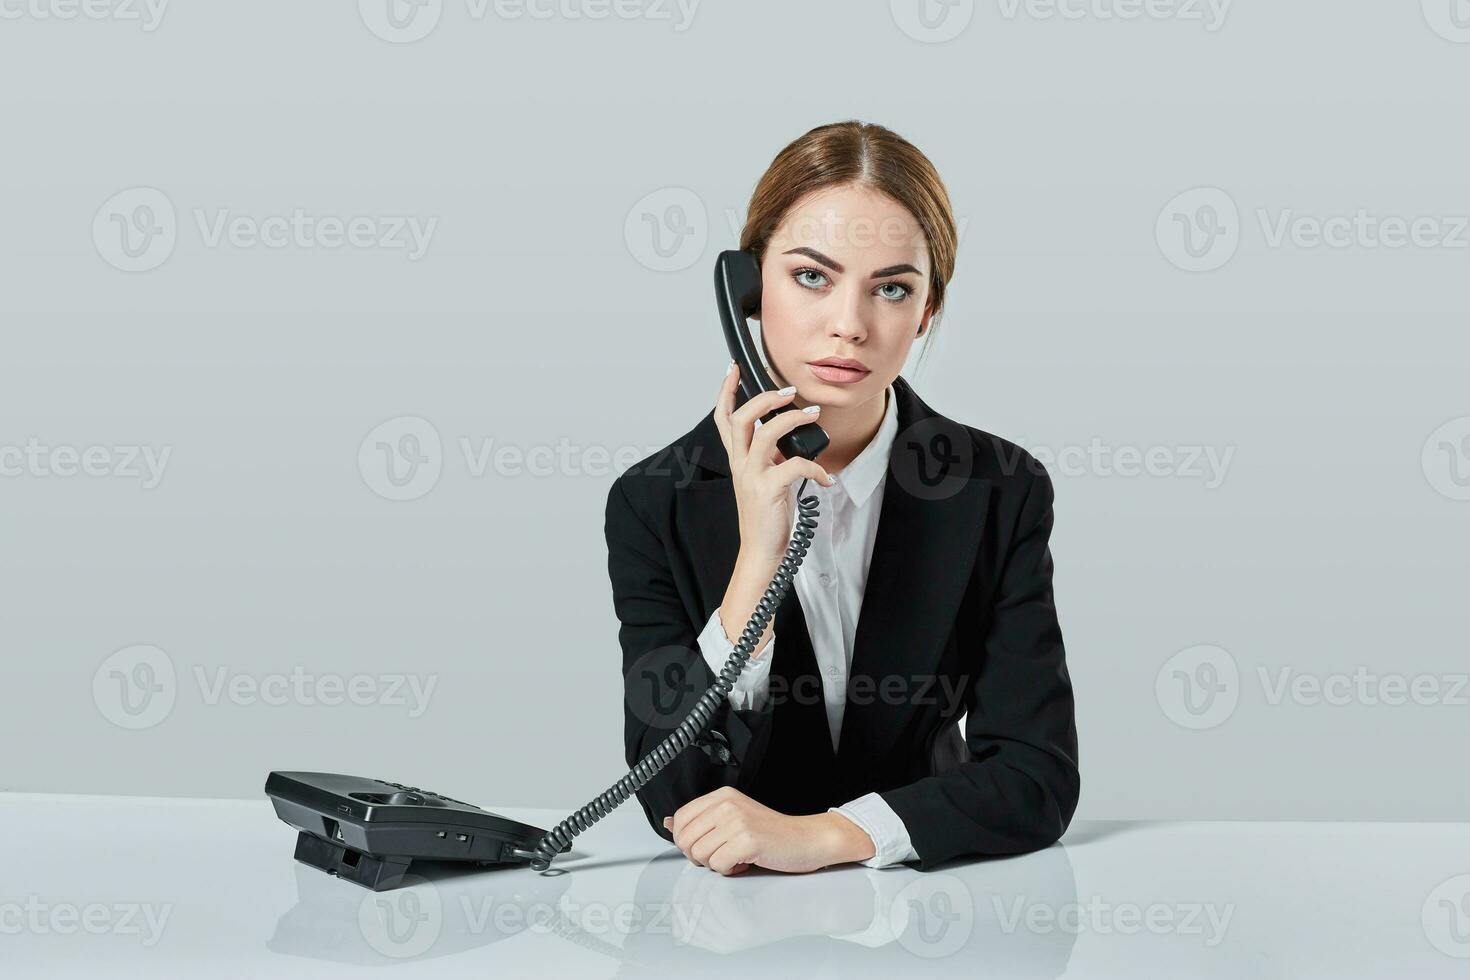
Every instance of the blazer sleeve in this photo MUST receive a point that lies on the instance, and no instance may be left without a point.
(665, 673)
(1018, 787)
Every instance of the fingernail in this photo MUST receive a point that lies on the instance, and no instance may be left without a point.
(666, 820)
(812, 409)
(728, 366)
(788, 390)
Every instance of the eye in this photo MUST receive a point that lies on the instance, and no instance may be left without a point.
(905, 293)
(805, 270)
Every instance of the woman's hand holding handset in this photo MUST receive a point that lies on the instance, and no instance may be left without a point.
(762, 477)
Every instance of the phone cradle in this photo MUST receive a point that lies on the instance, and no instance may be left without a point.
(377, 873)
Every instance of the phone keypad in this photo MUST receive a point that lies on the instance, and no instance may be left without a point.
(425, 792)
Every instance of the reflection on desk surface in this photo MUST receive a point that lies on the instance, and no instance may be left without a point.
(185, 886)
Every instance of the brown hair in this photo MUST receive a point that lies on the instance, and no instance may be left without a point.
(868, 155)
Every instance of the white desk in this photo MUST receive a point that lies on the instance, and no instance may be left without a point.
(157, 887)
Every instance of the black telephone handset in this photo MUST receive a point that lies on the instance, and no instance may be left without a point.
(738, 295)
(355, 829)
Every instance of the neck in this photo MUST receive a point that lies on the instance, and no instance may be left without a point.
(849, 428)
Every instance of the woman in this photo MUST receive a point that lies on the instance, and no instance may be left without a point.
(926, 594)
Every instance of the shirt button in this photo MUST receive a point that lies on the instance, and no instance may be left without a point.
(833, 671)
(826, 579)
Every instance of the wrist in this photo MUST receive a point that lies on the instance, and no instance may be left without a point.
(759, 568)
(842, 839)
(748, 582)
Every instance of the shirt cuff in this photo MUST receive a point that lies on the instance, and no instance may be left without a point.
(891, 844)
(754, 682)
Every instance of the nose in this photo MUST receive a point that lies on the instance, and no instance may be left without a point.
(847, 322)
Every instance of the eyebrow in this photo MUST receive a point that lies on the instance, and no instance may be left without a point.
(836, 266)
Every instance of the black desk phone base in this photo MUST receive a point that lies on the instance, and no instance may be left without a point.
(369, 831)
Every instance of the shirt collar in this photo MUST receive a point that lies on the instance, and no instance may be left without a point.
(860, 478)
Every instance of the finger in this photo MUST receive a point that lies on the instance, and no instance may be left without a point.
(763, 443)
(697, 832)
(691, 810)
(743, 419)
(728, 859)
(725, 403)
(716, 836)
(761, 404)
(792, 470)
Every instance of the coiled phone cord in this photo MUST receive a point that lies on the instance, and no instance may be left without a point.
(560, 837)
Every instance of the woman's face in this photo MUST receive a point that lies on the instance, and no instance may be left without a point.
(846, 275)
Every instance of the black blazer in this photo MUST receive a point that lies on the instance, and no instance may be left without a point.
(957, 618)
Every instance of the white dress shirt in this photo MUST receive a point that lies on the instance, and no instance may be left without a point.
(830, 585)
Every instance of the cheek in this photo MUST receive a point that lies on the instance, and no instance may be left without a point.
(778, 301)
(782, 317)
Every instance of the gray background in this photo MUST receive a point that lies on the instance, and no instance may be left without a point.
(1335, 541)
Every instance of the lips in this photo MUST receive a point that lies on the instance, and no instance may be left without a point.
(838, 370)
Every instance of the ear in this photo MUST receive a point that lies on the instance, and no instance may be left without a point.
(924, 322)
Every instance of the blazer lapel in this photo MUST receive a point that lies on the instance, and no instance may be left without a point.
(709, 521)
(929, 528)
